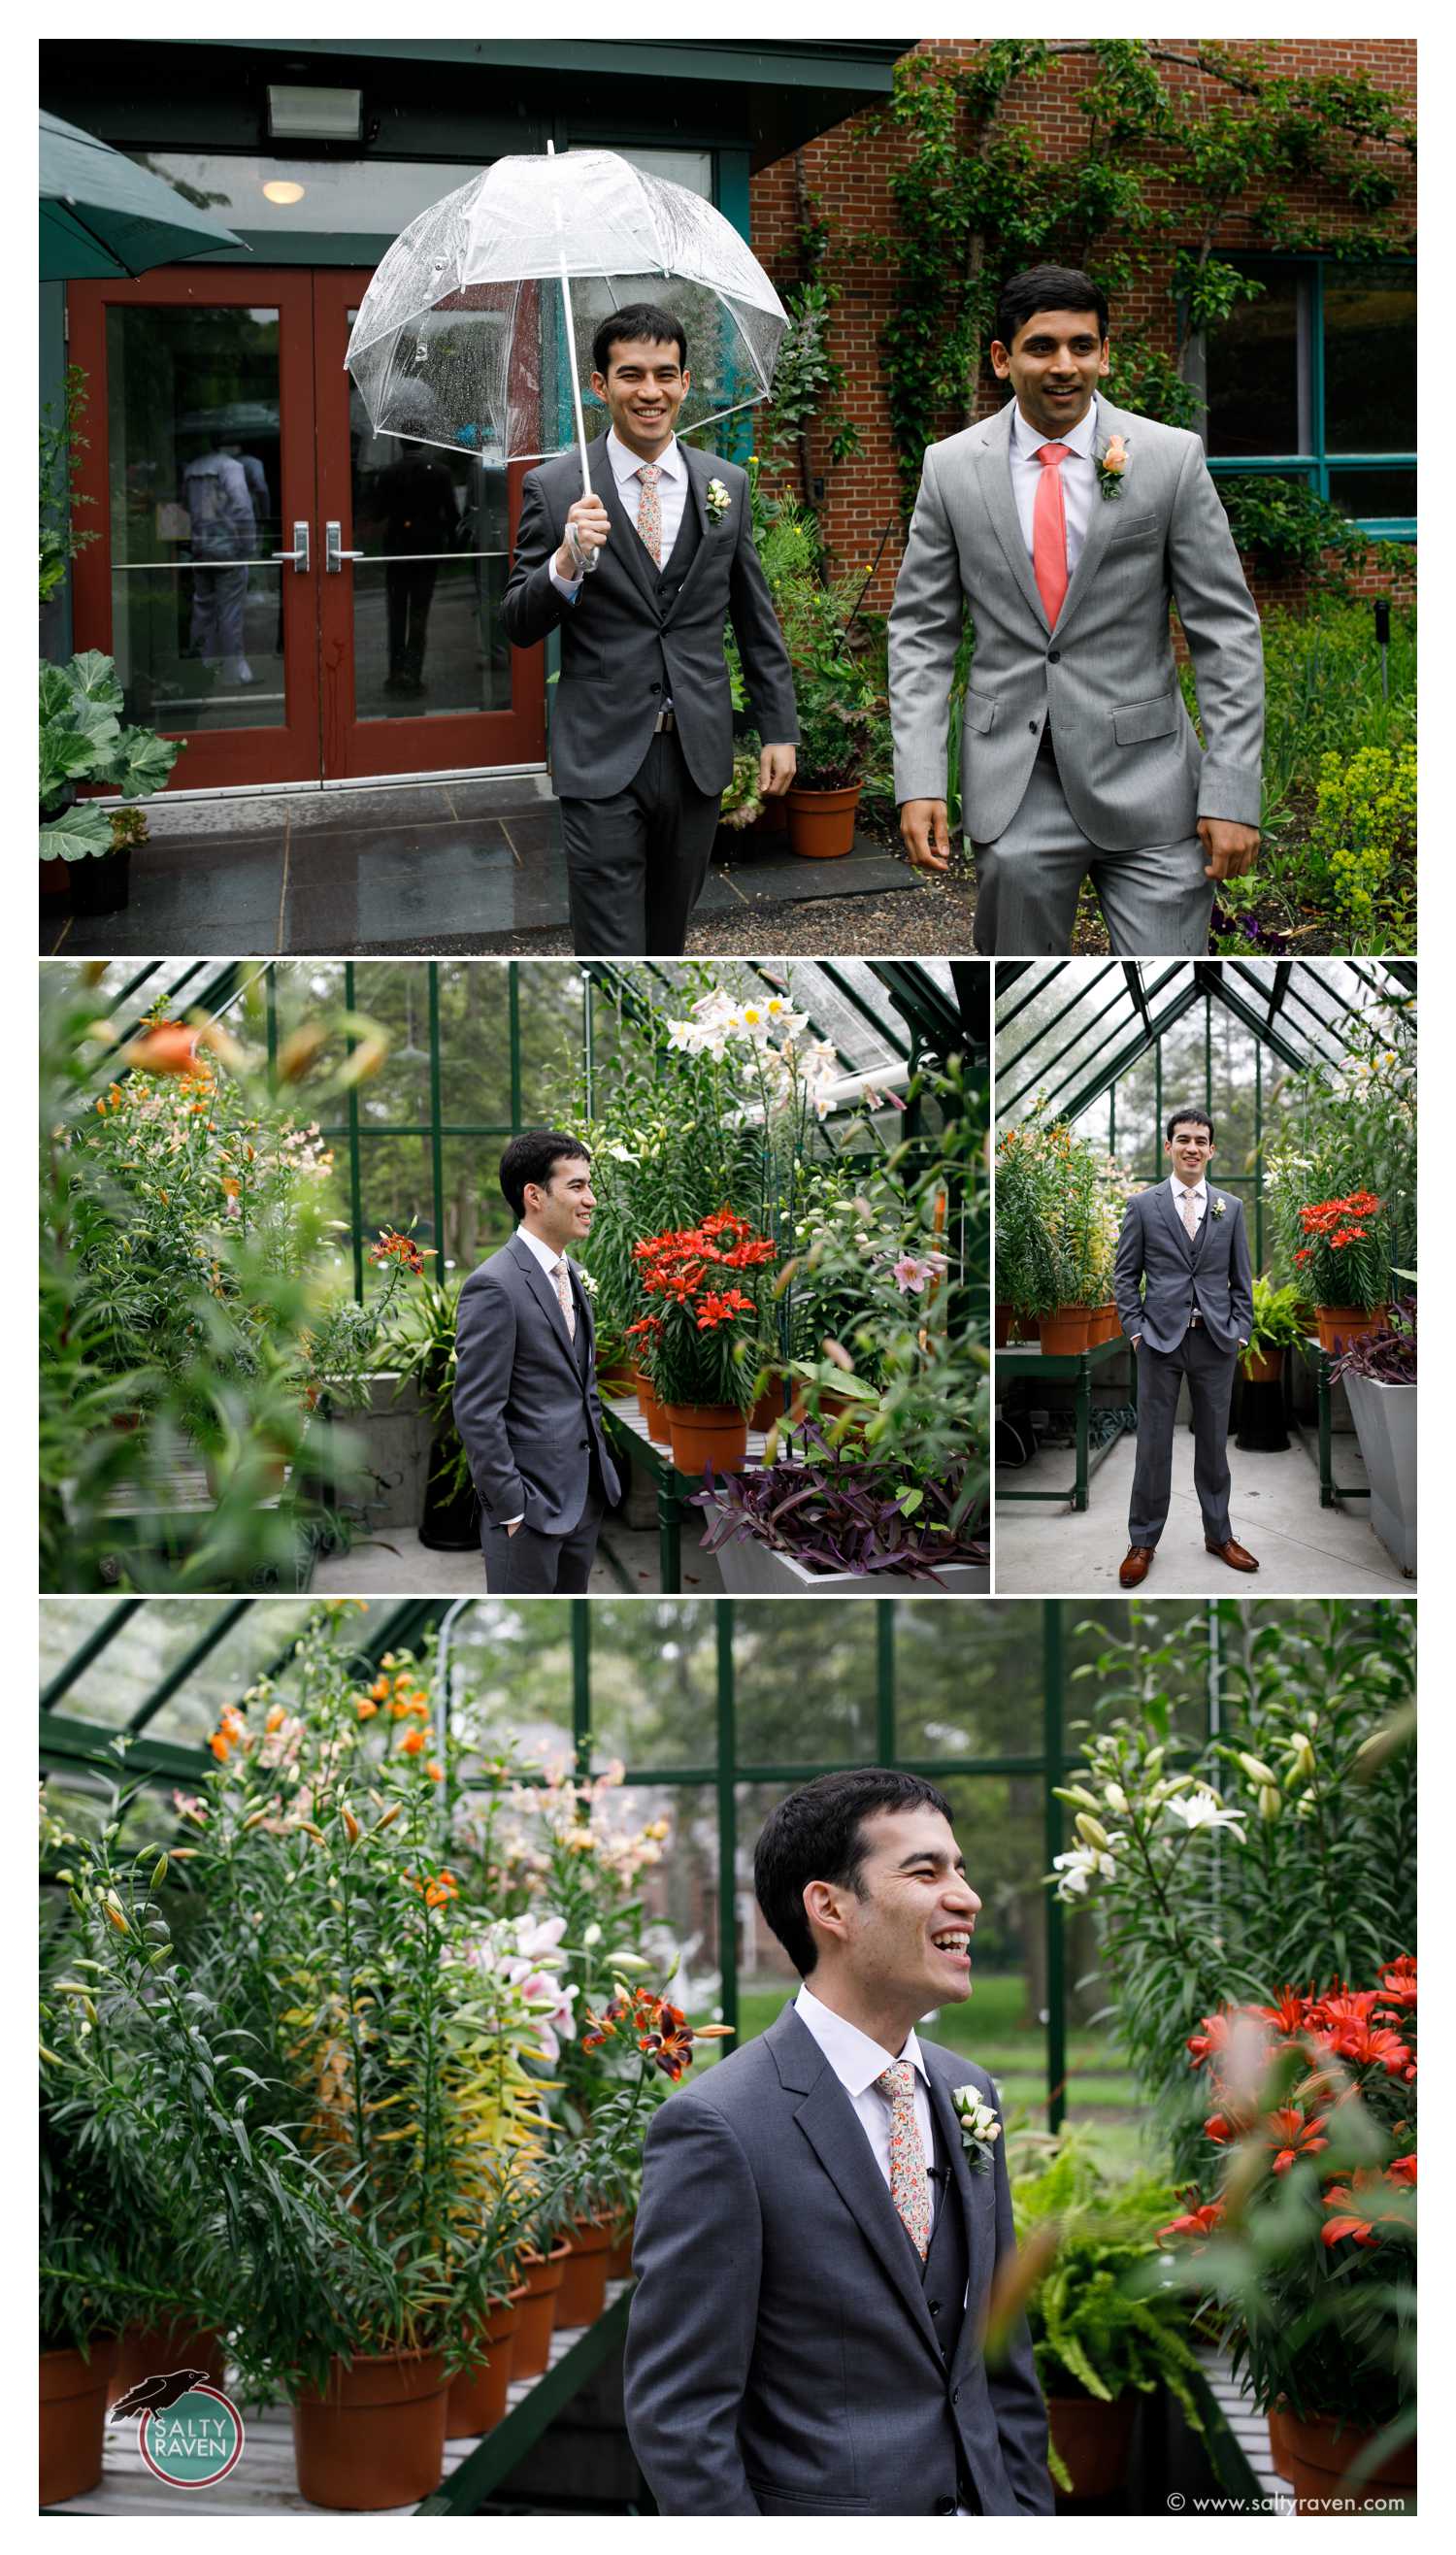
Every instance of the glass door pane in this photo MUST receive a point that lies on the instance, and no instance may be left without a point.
(434, 530)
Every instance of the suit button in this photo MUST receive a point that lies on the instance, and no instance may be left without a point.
(944, 2509)
(654, 687)
(1053, 656)
(955, 2394)
(1034, 725)
(935, 2306)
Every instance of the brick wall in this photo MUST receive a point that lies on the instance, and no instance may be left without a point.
(848, 171)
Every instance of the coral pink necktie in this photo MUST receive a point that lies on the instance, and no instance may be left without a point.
(909, 2188)
(1049, 529)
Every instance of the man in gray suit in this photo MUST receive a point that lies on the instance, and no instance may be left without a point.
(642, 731)
(1065, 526)
(526, 1399)
(819, 2237)
(1184, 1243)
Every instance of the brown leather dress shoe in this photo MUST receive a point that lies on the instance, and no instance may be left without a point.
(1233, 1553)
(1136, 1565)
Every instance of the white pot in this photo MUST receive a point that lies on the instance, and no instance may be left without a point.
(754, 1569)
(1385, 1423)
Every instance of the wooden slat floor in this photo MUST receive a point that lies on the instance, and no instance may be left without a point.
(263, 2479)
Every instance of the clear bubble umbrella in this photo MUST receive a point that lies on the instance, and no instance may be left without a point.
(476, 330)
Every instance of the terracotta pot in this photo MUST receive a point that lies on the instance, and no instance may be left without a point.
(1003, 1325)
(1320, 2453)
(543, 2284)
(102, 882)
(73, 2419)
(1092, 2440)
(652, 1409)
(152, 2351)
(1265, 1367)
(1278, 2444)
(772, 818)
(477, 2396)
(376, 2440)
(822, 823)
(707, 1433)
(767, 1410)
(616, 1382)
(1111, 1327)
(830, 1406)
(583, 2290)
(1339, 1324)
(1064, 1333)
(619, 2261)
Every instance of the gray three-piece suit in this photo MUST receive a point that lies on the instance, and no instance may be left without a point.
(640, 808)
(526, 1407)
(1209, 1275)
(787, 2353)
(1077, 754)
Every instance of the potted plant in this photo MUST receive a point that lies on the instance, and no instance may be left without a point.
(1345, 1258)
(1279, 1324)
(84, 745)
(1378, 1372)
(701, 1350)
(836, 740)
(1102, 2332)
(842, 1524)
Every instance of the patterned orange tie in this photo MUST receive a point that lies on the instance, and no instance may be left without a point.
(908, 2187)
(650, 512)
(563, 1298)
(1050, 530)
(1190, 1215)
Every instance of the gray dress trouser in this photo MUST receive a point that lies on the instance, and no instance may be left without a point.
(636, 862)
(1160, 1372)
(530, 1564)
(1155, 900)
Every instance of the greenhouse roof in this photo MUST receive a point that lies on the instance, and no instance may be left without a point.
(1066, 1032)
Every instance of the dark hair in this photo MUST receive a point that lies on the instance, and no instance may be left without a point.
(818, 1834)
(1189, 1118)
(645, 320)
(1046, 288)
(534, 1156)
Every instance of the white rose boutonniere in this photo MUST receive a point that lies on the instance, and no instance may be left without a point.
(979, 2127)
(1220, 1208)
(719, 501)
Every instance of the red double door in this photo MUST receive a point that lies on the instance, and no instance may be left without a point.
(301, 599)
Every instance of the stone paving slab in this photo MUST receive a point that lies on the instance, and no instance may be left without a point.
(427, 868)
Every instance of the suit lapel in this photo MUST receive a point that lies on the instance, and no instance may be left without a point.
(993, 477)
(827, 2119)
(629, 547)
(1103, 521)
(950, 2139)
(544, 1291)
(1170, 1211)
(1207, 1221)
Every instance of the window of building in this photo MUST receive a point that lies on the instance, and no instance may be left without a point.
(1314, 380)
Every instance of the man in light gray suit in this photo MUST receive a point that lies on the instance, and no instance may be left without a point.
(819, 2239)
(526, 1399)
(1065, 526)
(641, 730)
(1184, 1244)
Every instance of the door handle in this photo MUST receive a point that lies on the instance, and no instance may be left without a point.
(299, 552)
(334, 554)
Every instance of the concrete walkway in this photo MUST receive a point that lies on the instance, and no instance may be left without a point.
(427, 869)
(397, 1564)
(1301, 1548)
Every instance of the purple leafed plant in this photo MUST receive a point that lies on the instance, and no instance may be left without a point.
(834, 1515)
(1385, 1356)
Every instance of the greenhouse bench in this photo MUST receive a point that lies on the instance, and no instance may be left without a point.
(676, 1491)
(1027, 1360)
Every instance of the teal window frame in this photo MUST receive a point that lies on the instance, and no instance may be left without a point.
(1314, 466)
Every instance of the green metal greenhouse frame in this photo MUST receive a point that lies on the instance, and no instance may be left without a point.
(1292, 1008)
(917, 1021)
(67, 1742)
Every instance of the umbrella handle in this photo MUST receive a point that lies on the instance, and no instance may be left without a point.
(588, 558)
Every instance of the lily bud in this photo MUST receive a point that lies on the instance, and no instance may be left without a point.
(389, 1818)
(1077, 1794)
(1116, 1799)
(254, 1819)
(1092, 1832)
(116, 1918)
(631, 1961)
(1256, 1769)
(159, 1874)
(351, 1826)
(1271, 1800)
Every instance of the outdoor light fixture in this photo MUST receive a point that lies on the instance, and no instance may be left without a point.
(316, 114)
(283, 190)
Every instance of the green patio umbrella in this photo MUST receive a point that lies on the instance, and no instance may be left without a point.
(102, 216)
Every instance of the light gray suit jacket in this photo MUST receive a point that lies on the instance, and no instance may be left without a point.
(781, 2355)
(1131, 765)
(526, 1399)
(1211, 1273)
(626, 646)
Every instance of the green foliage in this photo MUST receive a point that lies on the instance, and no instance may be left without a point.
(833, 691)
(808, 380)
(1097, 2325)
(61, 440)
(1223, 1868)
(1284, 524)
(82, 740)
(1343, 1127)
(1059, 1204)
(1363, 824)
(1278, 1322)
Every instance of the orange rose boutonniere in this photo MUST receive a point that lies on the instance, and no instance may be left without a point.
(1112, 461)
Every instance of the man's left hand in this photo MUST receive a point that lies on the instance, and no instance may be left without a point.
(1232, 849)
(776, 766)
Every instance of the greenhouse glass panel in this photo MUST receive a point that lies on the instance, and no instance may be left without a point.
(513, 1661)
(805, 1683)
(147, 1649)
(653, 1673)
(978, 1695)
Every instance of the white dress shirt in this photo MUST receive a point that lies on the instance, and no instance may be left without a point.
(1078, 476)
(550, 1261)
(1199, 1197)
(857, 2061)
(672, 498)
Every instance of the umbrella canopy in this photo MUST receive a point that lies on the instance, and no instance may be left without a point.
(102, 216)
(470, 305)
